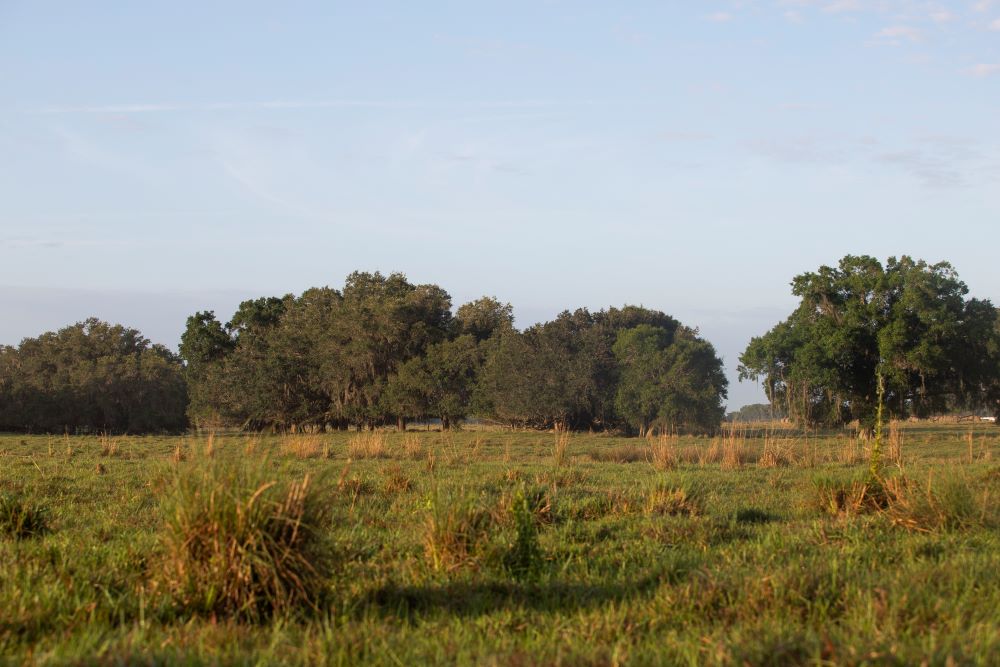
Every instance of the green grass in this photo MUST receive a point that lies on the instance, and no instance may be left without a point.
(485, 548)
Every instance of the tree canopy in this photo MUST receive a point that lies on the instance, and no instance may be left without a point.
(908, 321)
(383, 350)
(91, 377)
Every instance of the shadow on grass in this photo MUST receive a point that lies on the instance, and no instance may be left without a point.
(475, 598)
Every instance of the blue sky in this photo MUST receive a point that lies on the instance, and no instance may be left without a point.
(158, 158)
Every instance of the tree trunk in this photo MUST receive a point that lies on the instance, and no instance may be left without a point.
(445, 424)
(400, 424)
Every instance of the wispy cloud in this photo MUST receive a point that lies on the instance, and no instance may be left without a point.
(720, 17)
(221, 106)
(152, 108)
(985, 69)
(942, 16)
(895, 34)
(840, 6)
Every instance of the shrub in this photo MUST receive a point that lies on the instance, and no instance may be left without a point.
(22, 520)
(239, 543)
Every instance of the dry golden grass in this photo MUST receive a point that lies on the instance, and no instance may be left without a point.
(395, 480)
(368, 445)
(560, 448)
(661, 453)
(672, 501)
(304, 446)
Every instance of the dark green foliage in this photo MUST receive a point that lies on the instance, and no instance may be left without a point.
(565, 374)
(670, 380)
(21, 520)
(322, 358)
(438, 384)
(908, 320)
(89, 377)
(384, 350)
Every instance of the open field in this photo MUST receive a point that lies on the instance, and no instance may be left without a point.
(484, 547)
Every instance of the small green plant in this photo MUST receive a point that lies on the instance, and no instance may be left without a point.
(524, 556)
(238, 542)
(22, 520)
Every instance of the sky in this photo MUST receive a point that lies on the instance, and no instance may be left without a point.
(158, 158)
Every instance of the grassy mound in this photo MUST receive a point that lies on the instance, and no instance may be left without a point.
(241, 542)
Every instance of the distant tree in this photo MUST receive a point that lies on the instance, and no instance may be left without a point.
(562, 373)
(204, 346)
(320, 359)
(257, 315)
(440, 383)
(483, 318)
(755, 412)
(90, 377)
(908, 321)
(670, 380)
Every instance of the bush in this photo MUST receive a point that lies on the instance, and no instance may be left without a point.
(21, 520)
(239, 543)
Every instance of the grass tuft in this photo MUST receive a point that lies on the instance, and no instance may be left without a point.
(674, 501)
(949, 503)
(20, 520)
(368, 445)
(455, 532)
(237, 542)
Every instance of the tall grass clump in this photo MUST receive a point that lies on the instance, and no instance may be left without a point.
(661, 453)
(303, 446)
(523, 557)
(239, 541)
(949, 503)
(21, 520)
(685, 500)
(560, 448)
(368, 445)
(455, 533)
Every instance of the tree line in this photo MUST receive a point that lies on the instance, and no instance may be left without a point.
(90, 377)
(383, 351)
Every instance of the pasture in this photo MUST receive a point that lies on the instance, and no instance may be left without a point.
(502, 548)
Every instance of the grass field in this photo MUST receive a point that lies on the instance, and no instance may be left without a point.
(503, 548)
